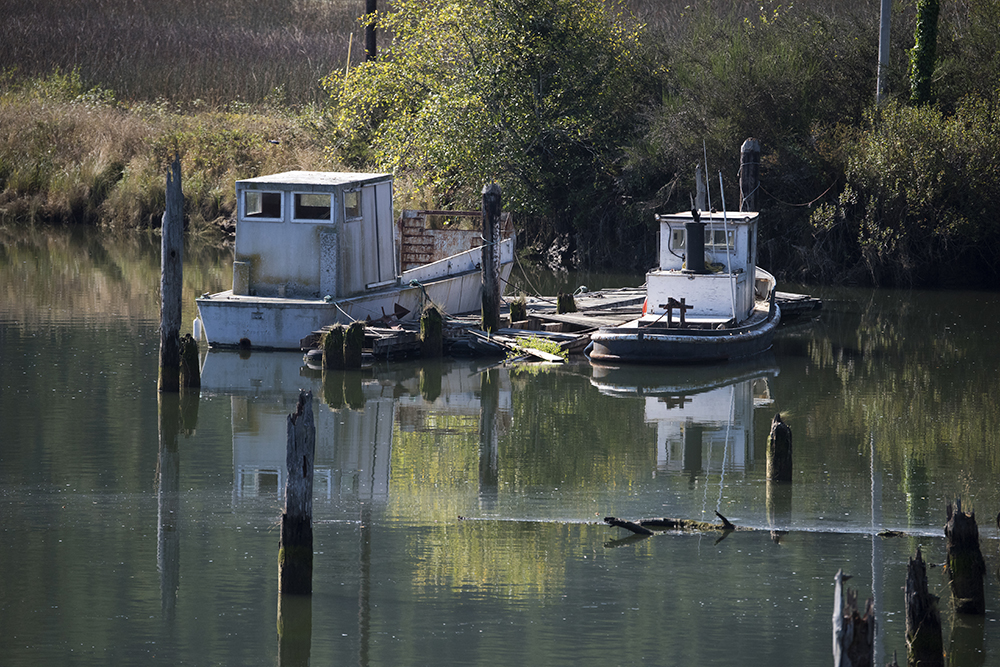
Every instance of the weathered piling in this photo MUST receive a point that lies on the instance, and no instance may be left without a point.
(295, 553)
(332, 344)
(565, 303)
(171, 281)
(190, 366)
(778, 501)
(294, 630)
(966, 567)
(779, 451)
(431, 333)
(853, 634)
(924, 646)
(491, 257)
(749, 174)
(354, 342)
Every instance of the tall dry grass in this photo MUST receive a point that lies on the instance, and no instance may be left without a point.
(217, 51)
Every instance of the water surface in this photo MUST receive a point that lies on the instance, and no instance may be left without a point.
(458, 508)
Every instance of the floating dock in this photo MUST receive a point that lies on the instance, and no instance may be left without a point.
(571, 331)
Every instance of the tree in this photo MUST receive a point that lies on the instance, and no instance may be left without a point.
(539, 96)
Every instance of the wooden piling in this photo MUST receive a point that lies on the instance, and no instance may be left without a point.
(333, 348)
(491, 257)
(354, 341)
(565, 303)
(295, 553)
(431, 333)
(294, 630)
(190, 367)
(779, 451)
(171, 281)
(749, 174)
(966, 567)
(853, 634)
(924, 646)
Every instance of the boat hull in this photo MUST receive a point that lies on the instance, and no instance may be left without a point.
(632, 343)
(276, 323)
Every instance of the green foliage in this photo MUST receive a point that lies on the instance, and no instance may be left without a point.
(920, 189)
(536, 96)
(541, 344)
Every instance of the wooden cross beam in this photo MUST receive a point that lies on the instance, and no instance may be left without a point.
(679, 305)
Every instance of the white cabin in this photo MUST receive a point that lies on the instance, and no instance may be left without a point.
(717, 285)
(308, 234)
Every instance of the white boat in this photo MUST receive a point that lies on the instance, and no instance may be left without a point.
(319, 248)
(707, 301)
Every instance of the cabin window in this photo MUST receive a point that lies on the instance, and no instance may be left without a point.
(352, 204)
(719, 238)
(262, 205)
(311, 206)
(677, 239)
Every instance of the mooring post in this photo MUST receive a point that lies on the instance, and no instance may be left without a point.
(779, 451)
(853, 634)
(491, 257)
(431, 333)
(966, 567)
(171, 281)
(354, 342)
(924, 645)
(749, 174)
(295, 553)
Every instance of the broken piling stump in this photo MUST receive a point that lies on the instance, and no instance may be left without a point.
(295, 553)
(853, 634)
(966, 567)
(190, 369)
(924, 645)
(565, 303)
(779, 451)
(332, 344)
(354, 342)
(431, 333)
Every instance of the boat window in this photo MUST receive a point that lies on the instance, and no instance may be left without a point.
(262, 205)
(311, 206)
(719, 238)
(352, 204)
(677, 239)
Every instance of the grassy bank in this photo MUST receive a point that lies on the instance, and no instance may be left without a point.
(97, 95)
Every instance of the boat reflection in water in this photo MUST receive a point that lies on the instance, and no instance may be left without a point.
(703, 414)
(356, 414)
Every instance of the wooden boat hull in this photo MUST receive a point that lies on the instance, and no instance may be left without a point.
(632, 343)
(277, 323)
